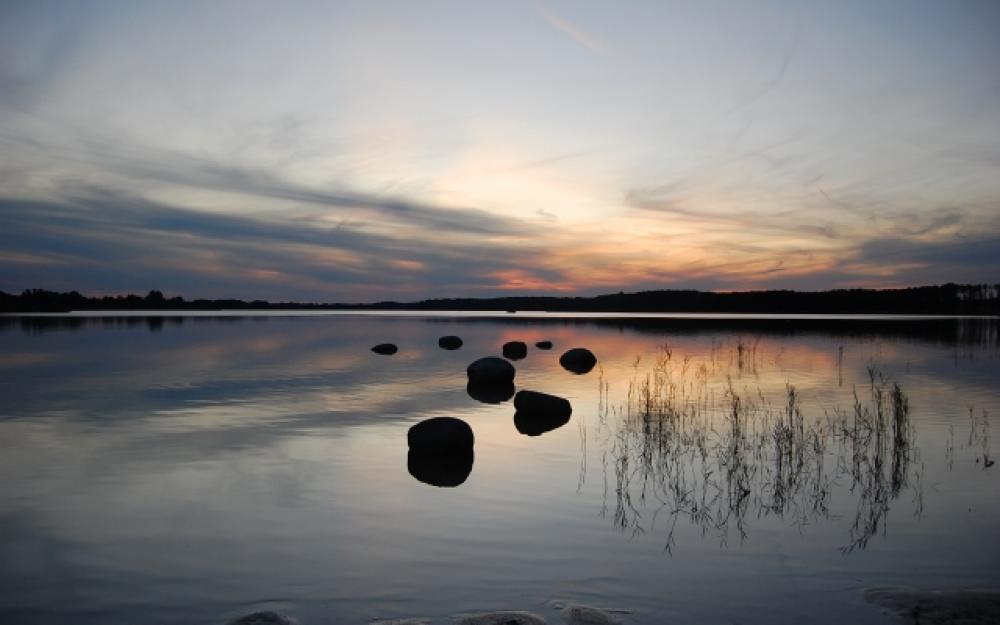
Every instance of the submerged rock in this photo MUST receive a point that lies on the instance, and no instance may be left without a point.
(506, 617)
(578, 360)
(386, 349)
(927, 607)
(264, 618)
(491, 370)
(449, 342)
(515, 350)
(544, 344)
(577, 614)
(440, 435)
(446, 470)
(490, 393)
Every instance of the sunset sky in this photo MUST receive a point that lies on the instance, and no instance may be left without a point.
(360, 151)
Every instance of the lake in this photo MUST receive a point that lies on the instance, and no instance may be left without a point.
(194, 468)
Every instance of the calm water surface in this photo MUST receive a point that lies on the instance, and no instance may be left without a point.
(193, 469)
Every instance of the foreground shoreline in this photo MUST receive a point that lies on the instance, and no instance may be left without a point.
(909, 606)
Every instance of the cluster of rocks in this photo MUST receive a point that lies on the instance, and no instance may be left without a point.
(578, 360)
(450, 343)
(441, 448)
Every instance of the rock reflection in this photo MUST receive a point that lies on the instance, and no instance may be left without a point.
(538, 424)
(442, 470)
(490, 393)
(721, 460)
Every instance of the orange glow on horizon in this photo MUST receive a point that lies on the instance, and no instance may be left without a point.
(264, 274)
(409, 265)
(516, 279)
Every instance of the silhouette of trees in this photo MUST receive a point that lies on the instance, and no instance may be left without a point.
(970, 299)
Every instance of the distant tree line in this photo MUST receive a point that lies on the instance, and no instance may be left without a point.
(968, 299)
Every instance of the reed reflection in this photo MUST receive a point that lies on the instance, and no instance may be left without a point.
(689, 447)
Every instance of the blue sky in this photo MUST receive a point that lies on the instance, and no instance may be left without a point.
(400, 150)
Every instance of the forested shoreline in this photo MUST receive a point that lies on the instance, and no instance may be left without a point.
(977, 299)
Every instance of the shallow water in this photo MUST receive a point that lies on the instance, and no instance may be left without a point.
(190, 469)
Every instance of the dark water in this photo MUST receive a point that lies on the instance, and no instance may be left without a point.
(193, 469)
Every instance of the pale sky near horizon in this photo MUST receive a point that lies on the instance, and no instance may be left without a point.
(355, 151)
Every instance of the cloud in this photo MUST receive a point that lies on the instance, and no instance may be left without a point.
(579, 35)
(771, 84)
(361, 162)
(262, 184)
(980, 255)
(39, 42)
(147, 166)
(745, 222)
(108, 241)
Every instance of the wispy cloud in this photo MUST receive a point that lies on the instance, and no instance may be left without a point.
(38, 63)
(577, 33)
(141, 151)
(772, 83)
(152, 165)
(126, 242)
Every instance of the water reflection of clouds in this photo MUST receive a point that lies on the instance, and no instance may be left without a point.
(232, 362)
(200, 451)
(308, 374)
(25, 360)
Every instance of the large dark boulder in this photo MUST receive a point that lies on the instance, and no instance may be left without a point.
(440, 451)
(515, 350)
(538, 413)
(386, 349)
(491, 370)
(442, 470)
(534, 403)
(578, 360)
(264, 618)
(440, 435)
(490, 393)
(449, 342)
(544, 344)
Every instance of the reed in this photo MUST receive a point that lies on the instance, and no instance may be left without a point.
(686, 446)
